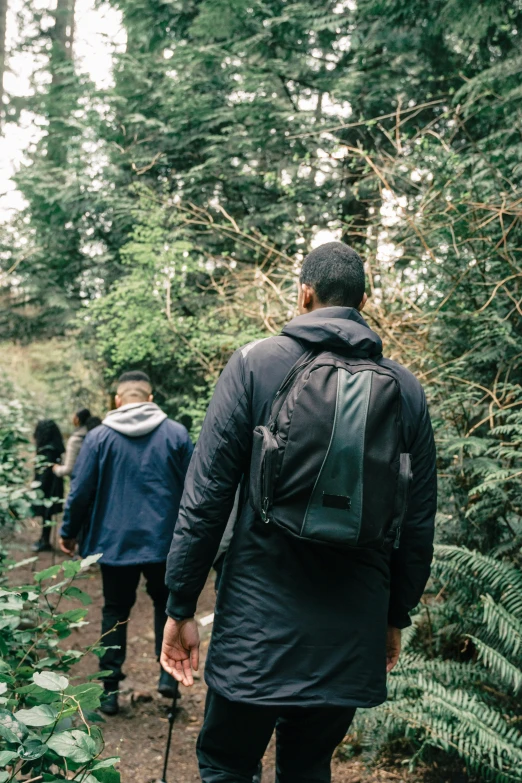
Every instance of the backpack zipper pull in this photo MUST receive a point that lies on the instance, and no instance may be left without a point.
(397, 538)
(264, 511)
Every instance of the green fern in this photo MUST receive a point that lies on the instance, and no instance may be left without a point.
(469, 708)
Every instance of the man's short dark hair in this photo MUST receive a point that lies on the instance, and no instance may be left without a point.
(336, 273)
(134, 375)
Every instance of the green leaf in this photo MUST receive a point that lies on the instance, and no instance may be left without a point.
(22, 563)
(107, 775)
(89, 561)
(47, 573)
(75, 592)
(3, 687)
(109, 762)
(88, 695)
(71, 568)
(4, 776)
(75, 745)
(43, 715)
(7, 756)
(10, 729)
(72, 615)
(32, 749)
(50, 681)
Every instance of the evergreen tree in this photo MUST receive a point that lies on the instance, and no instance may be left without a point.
(3, 23)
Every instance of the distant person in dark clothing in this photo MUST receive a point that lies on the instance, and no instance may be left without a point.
(125, 495)
(74, 443)
(49, 450)
(93, 422)
(304, 632)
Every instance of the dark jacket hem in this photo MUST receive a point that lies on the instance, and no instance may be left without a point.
(297, 702)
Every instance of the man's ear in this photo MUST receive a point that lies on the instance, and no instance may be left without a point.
(117, 401)
(151, 397)
(306, 298)
(363, 302)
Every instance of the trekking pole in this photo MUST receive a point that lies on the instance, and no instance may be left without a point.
(171, 718)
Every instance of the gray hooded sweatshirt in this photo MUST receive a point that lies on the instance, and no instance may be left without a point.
(135, 419)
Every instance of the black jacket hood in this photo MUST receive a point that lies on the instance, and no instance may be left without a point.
(336, 328)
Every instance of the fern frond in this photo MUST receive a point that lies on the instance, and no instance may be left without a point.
(484, 570)
(501, 623)
(499, 664)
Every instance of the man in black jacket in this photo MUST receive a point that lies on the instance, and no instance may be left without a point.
(303, 634)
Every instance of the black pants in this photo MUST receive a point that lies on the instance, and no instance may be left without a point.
(120, 584)
(234, 738)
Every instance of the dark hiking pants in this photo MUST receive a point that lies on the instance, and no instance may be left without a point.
(234, 738)
(120, 584)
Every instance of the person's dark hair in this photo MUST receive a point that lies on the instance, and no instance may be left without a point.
(336, 273)
(47, 435)
(134, 375)
(83, 415)
(93, 422)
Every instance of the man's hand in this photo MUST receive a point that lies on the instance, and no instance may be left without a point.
(393, 647)
(68, 545)
(180, 651)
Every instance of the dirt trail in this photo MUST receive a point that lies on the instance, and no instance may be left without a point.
(138, 734)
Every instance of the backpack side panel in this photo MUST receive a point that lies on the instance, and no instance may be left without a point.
(381, 459)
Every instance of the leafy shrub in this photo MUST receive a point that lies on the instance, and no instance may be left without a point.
(46, 717)
(468, 703)
(15, 497)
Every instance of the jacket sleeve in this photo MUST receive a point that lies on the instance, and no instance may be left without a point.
(71, 453)
(411, 563)
(83, 489)
(214, 473)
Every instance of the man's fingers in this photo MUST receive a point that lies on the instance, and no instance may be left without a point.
(194, 658)
(166, 663)
(177, 671)
(188, 680)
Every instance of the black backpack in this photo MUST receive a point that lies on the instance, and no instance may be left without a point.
(330, 466)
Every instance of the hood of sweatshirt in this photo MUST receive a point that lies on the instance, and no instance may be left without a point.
(337, 328)
(135, 419)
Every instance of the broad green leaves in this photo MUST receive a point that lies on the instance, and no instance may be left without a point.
(74, 745)
(44, 719)
(32, 749)
(50, 681)
(43, 715)
(10, 728)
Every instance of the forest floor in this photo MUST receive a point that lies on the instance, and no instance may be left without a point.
(138, 733)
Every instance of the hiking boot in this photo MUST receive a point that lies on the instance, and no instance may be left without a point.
(42, 546)
(167, 685)
(109, 703)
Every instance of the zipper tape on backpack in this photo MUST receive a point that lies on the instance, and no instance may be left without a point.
(300, 365)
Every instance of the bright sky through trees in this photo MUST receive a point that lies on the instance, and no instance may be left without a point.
(98, 33)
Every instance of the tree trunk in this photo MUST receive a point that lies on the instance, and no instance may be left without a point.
(3, 20)
(61, 54)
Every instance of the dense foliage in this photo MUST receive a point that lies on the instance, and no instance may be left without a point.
(457, 686)
(46, 717)
(15, 497)
(166, 219)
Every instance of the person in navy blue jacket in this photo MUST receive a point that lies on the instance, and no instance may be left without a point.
(125, 494)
